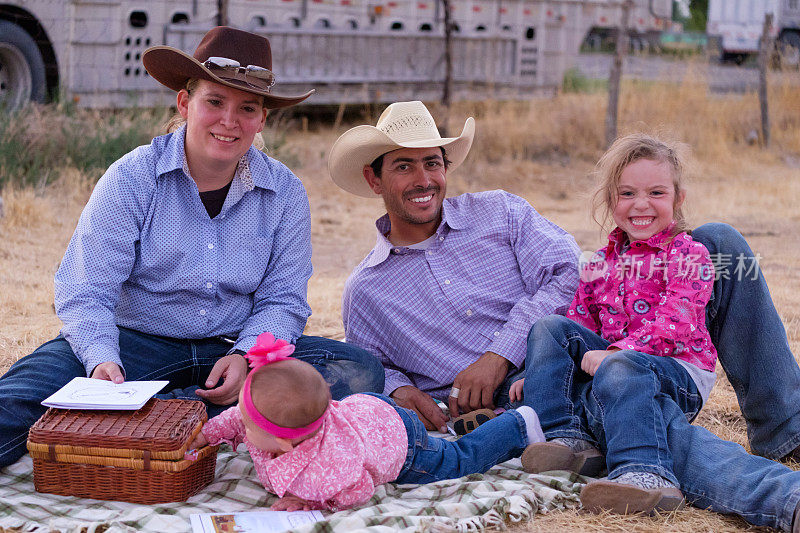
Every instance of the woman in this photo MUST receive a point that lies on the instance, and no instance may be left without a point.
(187, 250)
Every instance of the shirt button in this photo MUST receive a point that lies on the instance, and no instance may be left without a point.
(496, 333)
(210, 246)
(397, 250)
(441, 237)
(209, 285)
(447, 282)
(202, 312)
(429, 252)
(469, 312)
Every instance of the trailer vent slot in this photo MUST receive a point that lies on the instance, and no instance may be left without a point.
(138, 19)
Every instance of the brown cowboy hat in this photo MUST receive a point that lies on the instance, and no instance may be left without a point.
(215, 60)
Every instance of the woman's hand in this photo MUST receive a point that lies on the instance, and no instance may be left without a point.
(233, 368)
(108, 371)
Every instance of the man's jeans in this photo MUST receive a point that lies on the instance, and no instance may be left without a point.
(184, 363)
(432, 458)
(751, 343)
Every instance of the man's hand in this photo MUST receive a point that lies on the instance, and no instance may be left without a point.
(426, 407)
(477, 383)
(592, 359)
(108, 371)
(233, 368)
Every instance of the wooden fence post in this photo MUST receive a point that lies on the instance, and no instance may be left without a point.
(222, 12)
(616, 73)
(765, 50)
(447, 90)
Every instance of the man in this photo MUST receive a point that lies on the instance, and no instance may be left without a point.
(188, 249)
(453, 286)
(397, 302)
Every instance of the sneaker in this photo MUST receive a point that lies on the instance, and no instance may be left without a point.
(574, 455)
(468, 422)
(632, 492)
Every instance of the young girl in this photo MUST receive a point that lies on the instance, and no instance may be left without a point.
(316, 453)
(634, 335)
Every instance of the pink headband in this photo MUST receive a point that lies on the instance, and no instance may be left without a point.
(268, 350)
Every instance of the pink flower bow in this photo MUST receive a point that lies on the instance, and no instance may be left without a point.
(268, 350)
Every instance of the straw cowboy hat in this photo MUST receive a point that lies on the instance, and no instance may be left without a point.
(401, 125)
(227, 56)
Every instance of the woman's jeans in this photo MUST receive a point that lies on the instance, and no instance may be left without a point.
(432, 458)
(184, 363)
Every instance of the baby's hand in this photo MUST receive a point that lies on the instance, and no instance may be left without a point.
(199, 441)
(515, 392)
(291, 502)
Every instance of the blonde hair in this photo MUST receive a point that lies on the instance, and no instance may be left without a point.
(629, 149)
(176, 121)
(289, 393)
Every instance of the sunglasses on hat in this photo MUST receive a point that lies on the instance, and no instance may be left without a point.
(252, 75)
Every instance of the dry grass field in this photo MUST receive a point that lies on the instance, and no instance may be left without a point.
(542, 150)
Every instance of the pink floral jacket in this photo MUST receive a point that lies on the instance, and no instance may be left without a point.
(362, 443)
(649, 296)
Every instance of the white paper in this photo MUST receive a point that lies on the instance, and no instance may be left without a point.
(88, 393)
(253, 521)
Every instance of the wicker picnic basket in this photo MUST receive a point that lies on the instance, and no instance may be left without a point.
(132, 456)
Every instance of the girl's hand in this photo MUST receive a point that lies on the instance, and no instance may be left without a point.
(291, 502)
(515, 392)
(199, 441)
(592, 359)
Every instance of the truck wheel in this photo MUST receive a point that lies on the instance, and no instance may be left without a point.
(789, 46)
(22, 73)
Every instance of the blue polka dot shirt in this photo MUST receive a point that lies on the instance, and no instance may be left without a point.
(145, 255)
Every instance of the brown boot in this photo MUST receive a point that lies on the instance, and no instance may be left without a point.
(634, 492)
(546, 456)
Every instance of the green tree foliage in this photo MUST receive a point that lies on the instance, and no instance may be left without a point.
(699, 16)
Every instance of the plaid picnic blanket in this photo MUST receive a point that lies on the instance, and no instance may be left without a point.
(472, 503)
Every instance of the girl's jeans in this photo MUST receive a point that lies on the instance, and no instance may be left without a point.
(619, 409)
(432, 458)
(711, 472)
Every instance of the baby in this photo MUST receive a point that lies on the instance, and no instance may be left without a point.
(317, 453)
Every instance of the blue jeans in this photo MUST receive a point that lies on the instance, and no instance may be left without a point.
(184, 363)
(618, 409)
(752, 346)
(711, 472)
(432, 459)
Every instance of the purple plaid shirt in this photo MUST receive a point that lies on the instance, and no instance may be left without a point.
(494, 267)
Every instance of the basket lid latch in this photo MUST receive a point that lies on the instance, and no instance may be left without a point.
(51, 450)
(146, 458)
